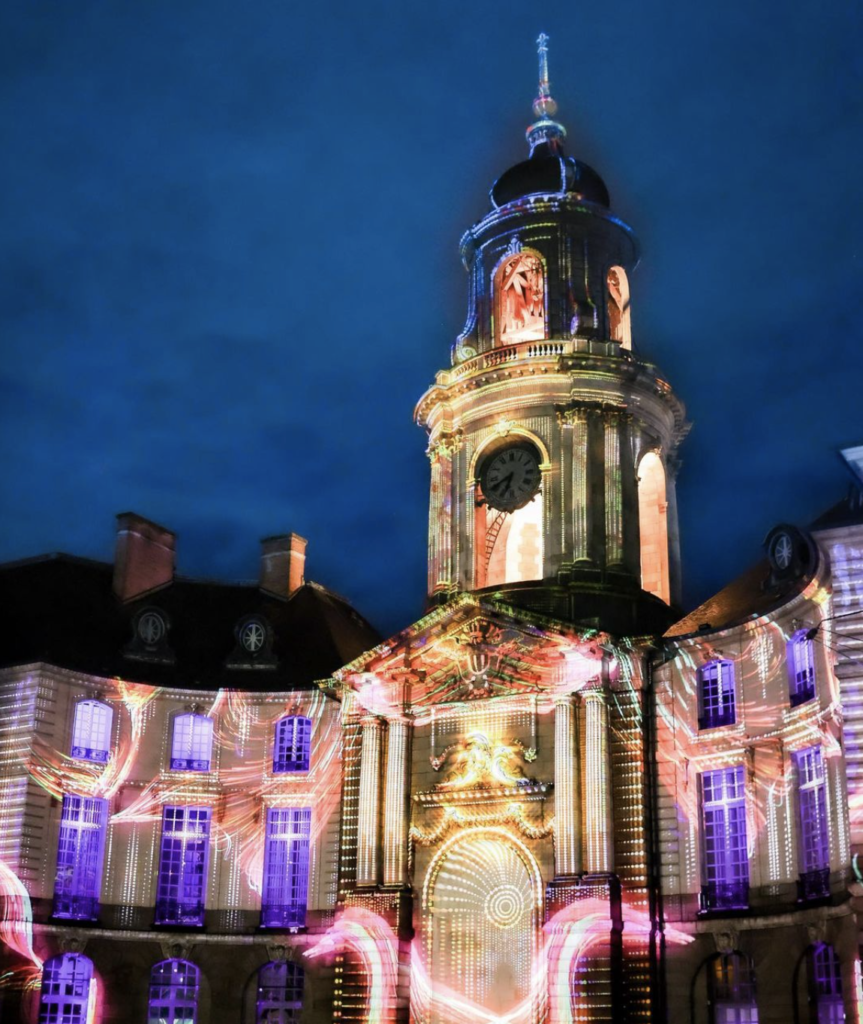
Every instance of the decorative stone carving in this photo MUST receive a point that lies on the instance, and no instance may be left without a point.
(726, 940)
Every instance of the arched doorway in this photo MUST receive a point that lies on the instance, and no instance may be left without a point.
(653, 526)
(481, 915)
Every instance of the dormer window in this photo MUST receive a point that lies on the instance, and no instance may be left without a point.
(192, 743)
(292, 744)
(91, 731)
(716, 699)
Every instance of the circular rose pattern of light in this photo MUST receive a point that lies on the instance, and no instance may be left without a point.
(504, 906)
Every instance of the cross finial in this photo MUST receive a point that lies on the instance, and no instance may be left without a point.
(544, 129)
(543, 105)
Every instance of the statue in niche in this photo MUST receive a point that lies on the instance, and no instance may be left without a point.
(618, 307)
(520, 289)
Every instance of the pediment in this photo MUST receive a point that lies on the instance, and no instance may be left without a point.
(473, 649)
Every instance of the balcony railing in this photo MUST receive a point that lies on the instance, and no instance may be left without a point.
(725, 896)
(76, 908)
(185, 912)
(813, 885)
(716, 719)
(287, 915)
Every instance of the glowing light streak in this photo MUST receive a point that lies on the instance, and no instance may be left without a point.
(16, 927)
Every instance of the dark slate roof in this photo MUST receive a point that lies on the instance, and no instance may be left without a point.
(750, 595)
(847, 512)
(548, 170)
(62, 610)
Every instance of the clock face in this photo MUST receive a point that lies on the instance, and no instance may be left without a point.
(511, 478)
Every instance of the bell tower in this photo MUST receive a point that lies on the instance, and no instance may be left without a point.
(552, 444)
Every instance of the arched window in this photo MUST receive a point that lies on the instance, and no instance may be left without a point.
(800, 655)
(67, 990)
(731, 990)
(519, 299)
(280, 993)
(80, 849)
(91, 731)
(716, 702)
(173, 993)
(653, 526)
(192, 743)
(619, 328)
(292, 744)
(825, 985)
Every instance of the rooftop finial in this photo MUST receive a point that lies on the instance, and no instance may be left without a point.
(543, 104)
(544, 107)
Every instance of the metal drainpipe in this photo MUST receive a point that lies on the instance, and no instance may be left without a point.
(655, 901)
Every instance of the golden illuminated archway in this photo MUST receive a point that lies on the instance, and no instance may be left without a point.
(519, 298)
(481, 915)
(653, 526)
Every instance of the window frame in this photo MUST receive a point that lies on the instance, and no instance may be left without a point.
(813, 823)
(173, 995)
(80, 857)
(800, 659)
(719, 708)
(62, 1006)
(184, 857)
(285, 996)
(195, 737)
(285, 880)
(292, 744)
(86, 746)
(724, 847)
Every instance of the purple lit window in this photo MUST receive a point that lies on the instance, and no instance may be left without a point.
(800, 655)
(825, 984)
(731, 989)
(286, 867)
(723, 818)
(173, 993)
(79, 857)
(292, 746)
(280, 993)
(67, 983)
(814, 834)
(91, 732)
(192, 743)
(183, 865)
(716, 695)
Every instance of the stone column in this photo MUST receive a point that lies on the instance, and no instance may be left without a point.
(580, 547)
(396, 802)
(567, 813)
(613, 496)
(629, 497)
(370, 801)
(597, 784)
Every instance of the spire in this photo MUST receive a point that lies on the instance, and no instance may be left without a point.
(544, 129)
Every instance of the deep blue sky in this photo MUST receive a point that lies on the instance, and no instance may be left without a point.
(229, 259)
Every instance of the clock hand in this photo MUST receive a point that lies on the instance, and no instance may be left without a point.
(503, 483)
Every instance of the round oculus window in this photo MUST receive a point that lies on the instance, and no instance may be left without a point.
(783, 550)
(253, 634)
(151, 628)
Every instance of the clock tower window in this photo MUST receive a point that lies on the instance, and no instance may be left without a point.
(653, 527)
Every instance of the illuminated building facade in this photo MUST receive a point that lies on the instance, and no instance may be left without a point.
(550, 800)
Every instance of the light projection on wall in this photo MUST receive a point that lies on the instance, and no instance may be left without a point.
(519, 288)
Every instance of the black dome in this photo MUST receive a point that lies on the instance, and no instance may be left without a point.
(548, 171)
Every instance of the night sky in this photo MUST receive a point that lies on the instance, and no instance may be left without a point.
(230, 268)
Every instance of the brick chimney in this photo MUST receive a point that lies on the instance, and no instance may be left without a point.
(143, 556)
(283, 562)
